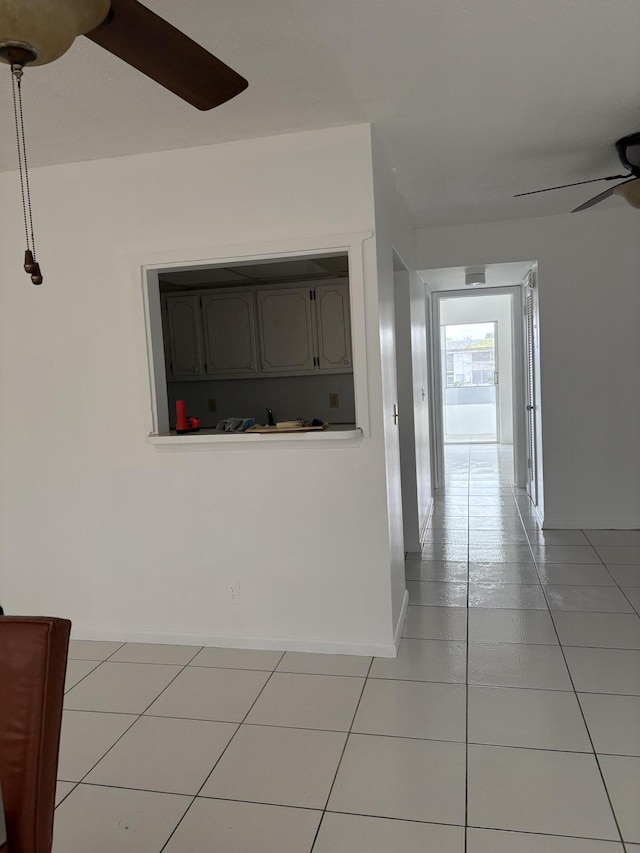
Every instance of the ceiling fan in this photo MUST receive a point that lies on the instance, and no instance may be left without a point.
(34, 32)
(628, 149)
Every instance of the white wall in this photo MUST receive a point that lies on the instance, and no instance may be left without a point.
(589, 288)
(485, 309)
(100, 526)
(394, 233)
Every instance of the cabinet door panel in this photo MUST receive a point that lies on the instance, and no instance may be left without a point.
(186, 357)
(286, 336)
(334, 326)
(229, 334)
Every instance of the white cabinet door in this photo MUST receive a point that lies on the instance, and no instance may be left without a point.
(184, 336)
(333, 323)
(286, 331)
(229, 334)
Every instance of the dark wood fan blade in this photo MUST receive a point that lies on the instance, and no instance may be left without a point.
(576, 184)
(156, 48)
(600, 197)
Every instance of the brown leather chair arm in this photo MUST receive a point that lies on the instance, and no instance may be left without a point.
(33, 662)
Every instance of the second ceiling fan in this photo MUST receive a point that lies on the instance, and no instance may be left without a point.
(628, 149)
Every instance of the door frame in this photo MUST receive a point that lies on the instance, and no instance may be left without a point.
(518, 374)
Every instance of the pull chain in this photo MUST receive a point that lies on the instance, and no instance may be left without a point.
(31, 265)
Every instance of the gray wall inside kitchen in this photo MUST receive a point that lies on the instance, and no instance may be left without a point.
(289, 396)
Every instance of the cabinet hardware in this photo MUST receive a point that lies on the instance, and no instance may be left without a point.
(395, 414)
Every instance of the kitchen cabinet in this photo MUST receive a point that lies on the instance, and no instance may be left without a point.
(333, 324)
(228, 322)
(285, 326)
(258, 331)
(185, 342)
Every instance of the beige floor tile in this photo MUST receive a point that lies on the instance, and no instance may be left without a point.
(86, 737)
(228, 827)
(342, 833)
(202, 693)
(564, 554)
(424, 660)
(308, 701)
(77, 670)
(63, 789)
(436, 623)
(127, 688)
(92, 649)
(613, 721)
(604, 630)
(502, 625)
(287, 767)
(518, 665)
(601, 599)
(413, 709)
(538, 719)
(490, 841)
(604, 670)
(317, 664)
(435, 594)
(512, 573)
(164, 754)
(619, 555)
(154, 653)
(575, 574)
(529, 790)
(238, 659)
(400, 778)
(106, 820)
(622, 778)
(438, 571)
(510, 596)
(628, 575)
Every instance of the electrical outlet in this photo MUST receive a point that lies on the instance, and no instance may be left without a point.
(233, 592)
(212, 405)
(334, 401)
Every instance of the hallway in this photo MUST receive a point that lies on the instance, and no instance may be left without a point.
(513, 729)
(553, 640)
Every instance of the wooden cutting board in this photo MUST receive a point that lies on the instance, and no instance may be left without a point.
(274, 430)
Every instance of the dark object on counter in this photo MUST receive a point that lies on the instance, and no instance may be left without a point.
(270, 419)
(185, 424)
(317, 422)
(233, 425)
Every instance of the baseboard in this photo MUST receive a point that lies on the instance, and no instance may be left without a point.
(427, 521)
(397, 634)
(559, 523)
(279, 644)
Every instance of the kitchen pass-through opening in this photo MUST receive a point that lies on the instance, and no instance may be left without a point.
(254, 342)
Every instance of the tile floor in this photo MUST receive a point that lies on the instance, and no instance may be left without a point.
(509, 723)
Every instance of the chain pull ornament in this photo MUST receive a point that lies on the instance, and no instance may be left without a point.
(31, 265)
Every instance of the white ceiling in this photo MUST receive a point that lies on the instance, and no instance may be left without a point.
(471, 100)
(497, 275)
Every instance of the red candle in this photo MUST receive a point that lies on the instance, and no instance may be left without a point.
(181, 417)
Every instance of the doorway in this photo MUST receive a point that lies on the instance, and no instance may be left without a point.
(470, 398)
(480, 375)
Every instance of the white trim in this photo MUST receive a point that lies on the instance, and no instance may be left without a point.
(280, 644)
(145, 268)
(255, 441)
(397, 634)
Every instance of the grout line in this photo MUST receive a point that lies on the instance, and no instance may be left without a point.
(344, 748)
(584, 720)
(239, 726)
